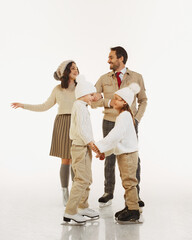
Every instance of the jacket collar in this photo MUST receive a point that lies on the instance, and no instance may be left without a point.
(112, 73)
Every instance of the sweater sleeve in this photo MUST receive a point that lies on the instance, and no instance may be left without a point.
(104, 102)
(99, 103)
(84, 124)
(99, 88)
(99, 85)
(50, 102)
(115, 135)
(142, 100)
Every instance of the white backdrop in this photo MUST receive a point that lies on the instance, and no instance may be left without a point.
(37, 35)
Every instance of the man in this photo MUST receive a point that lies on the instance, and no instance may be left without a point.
(108, 84)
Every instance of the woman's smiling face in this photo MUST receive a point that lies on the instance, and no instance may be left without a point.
(74, 72)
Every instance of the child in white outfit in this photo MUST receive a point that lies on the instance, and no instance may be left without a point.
(122, 141)
(82, 140)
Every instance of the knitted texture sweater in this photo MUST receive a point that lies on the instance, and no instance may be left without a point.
(63, 97)
(122, 138)
(81, 129)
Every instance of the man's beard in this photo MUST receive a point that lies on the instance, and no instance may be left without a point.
(114, 67)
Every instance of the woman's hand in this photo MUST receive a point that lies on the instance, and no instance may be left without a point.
(17, 105)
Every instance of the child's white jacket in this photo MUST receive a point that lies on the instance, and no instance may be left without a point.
(122, 138)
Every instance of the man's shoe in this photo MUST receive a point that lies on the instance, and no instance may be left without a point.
(141, 205)
(105, 200)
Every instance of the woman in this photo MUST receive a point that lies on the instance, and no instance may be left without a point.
(64, 95)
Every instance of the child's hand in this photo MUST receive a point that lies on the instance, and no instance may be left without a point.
(94, 148)
(99, 155)
(102, 156)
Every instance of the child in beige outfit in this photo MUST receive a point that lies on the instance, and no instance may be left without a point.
(82, 139)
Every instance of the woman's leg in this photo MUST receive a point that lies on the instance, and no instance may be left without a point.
(64, 178)
(64, 172)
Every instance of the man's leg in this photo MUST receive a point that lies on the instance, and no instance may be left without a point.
(138, 172)
(109, 170)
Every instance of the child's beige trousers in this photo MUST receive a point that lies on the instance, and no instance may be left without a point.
(81, 164)
(127, 163)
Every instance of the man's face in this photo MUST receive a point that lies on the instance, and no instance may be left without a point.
(113, 61)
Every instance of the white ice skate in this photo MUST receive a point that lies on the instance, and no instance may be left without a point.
(77, 218)
(65, 196)
(90, 213)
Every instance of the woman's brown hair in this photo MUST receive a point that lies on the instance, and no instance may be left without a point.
(65, 78)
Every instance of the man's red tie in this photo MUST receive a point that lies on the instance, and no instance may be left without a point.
(118, 78)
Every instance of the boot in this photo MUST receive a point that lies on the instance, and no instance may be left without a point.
(129, 216)
(105, 200)
(75, 217)
(88, 212)
(120, 212)
(65, 196)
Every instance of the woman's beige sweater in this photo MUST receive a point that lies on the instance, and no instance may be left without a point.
(63, 97)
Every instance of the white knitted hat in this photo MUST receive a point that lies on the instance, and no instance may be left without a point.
(83, 87)
(60, 70)
(128, 93)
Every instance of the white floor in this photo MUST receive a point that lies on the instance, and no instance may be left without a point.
(35, 212)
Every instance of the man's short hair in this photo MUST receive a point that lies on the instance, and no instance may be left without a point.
(120, 52)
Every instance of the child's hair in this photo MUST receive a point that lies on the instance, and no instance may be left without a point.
(127, 108)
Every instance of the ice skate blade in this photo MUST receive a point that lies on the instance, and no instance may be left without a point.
(102, 205)
(129, 222)
(139, 221)
(91, 218)
(70, 221)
